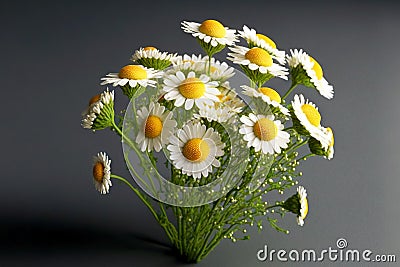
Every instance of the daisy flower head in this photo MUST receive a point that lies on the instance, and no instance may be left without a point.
(212, 35)
(194, 149)
(220, 113)
(220, 71)
(307, 71)
(131, 77)
(326, 150)
(185, 63)
(155, 127)
(268, 95)
(264, 133)
(255, 39)
(307, 120)
(257, 64)
(298, 204)
(190, 90)
(229, 98)
(93, 101)
(151, 57)
(100, 112)
(102, 172)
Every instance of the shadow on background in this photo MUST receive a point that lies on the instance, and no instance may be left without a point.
(20, 238)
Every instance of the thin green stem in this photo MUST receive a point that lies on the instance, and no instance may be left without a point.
(273, 206)
(209, 65)
(306, 156)
(137, 192)
(168, 227)
(290, 90)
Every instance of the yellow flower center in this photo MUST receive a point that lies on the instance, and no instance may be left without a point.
(188, 60)
(133, 72)
(94, 99)
(98, 172)
(196, 150)
(223, 98)
(317, 68)
(266, 39)
(312, 114)
(271, 93)
(304, 215)
(213, 28)
(149, 48)
(332, 139)
(153, 127)
(259, 56)
(265, 129)
(213, 69)
(192, 88)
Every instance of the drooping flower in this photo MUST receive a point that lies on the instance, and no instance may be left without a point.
(307, 120)
(102, 172)
(326, 150)
(298, 204)
(307, 71)
(100, 112)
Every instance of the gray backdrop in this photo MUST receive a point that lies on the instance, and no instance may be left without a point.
(52, 57)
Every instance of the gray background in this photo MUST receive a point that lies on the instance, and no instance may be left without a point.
(52, 57)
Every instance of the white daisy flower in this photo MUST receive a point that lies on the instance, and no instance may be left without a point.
(100, 113)
(255, 61)
(309, 118)
(264, 133)
(155, 127)
(307, 71)
(221, 114)
(93, 101)
(268, 95)
(151, 57)
(259, 40)
(229, 98)
(102, 172)
(133, 75)
(220, 71)
(189, 62)
(326, 150)
(194, 150)
(302, 195)
(210, 31)
(190, 90)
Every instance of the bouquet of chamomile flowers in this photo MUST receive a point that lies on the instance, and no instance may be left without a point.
(206, 143)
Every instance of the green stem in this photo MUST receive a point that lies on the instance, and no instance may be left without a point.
(167, 225)
(209, 65)
(290, 90)
(306, 156)
(273, 206)
(137, 192)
